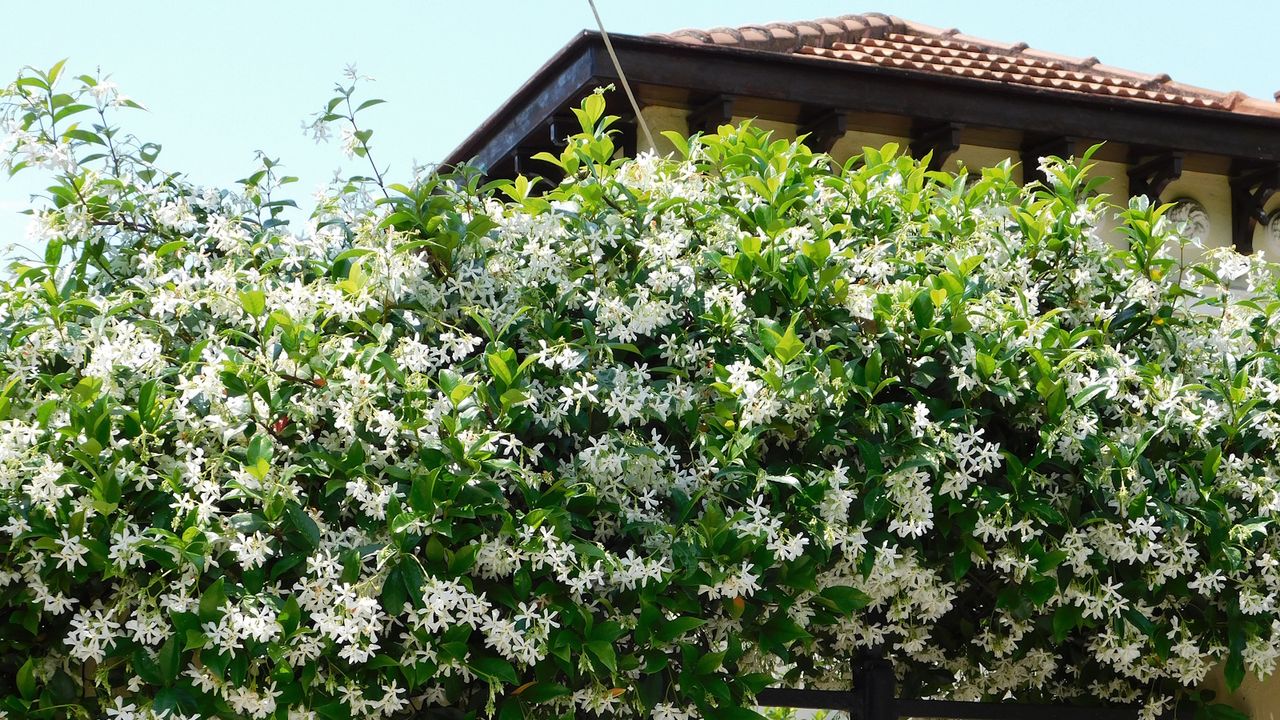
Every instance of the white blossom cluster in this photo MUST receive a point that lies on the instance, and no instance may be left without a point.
(668, 433)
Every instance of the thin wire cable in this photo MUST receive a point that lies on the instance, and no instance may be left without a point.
(622, 76)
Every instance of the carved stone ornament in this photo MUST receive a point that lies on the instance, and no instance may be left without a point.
(1191, 212)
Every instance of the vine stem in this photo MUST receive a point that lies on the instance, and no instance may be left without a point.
(351, 118)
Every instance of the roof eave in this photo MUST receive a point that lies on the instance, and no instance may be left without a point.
(822, 82)
(554, 71)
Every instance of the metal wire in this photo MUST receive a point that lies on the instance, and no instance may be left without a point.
(622, 76)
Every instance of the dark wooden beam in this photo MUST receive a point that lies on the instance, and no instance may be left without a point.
(941, 139)
(1252, 185)
(710, 114)
(1035, 147)
(548, 136)
(824, 129)
(1150, 174)
(560, 127)
(523, 163)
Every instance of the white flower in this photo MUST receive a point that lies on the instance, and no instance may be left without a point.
(252, 550)
(72, 552)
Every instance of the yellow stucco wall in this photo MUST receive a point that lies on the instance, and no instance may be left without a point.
(852, 143)
(661, 118)
(1259, 699)
(976, 157)
(780, 130)
(1210, 189)
(1214, 193)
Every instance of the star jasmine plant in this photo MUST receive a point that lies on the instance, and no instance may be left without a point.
(639, 442)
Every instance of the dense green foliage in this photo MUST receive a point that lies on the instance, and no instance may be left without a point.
(643, 442)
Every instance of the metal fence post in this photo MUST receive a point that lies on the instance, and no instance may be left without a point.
(874, 683)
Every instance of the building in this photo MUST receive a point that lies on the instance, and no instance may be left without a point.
(864, 80)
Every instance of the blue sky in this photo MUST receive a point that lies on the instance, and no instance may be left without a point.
(223, 79)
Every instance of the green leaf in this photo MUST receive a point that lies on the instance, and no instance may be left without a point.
(677, 139)
(1040, 590)
(874, 368)
(960, 563)
(212, 600)
(670, 630)
(171, 247)
(789, 345)
(460, 392)
(541, 692)
(27, 680)
(1209, 468)
(499, 367)
(393, 591)
(986, 365)
(170, 659)
(1065, 619)
(708, 663)
(290, 615)
(259, 448)
(254, 302)
(87, 389)
(356, 278)
(922, 309)
(846, 599)
(1082, 398)
(603, 651)
(1234, 671)
(510, 710)
(495, 668)
(301, 520)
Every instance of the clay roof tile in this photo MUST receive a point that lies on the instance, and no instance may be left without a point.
(889, 41)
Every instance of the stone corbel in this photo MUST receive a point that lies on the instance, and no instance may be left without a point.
(941, 139)
(824, 130)
(710, 115)
(1034, 148)
(1251, 188)
(1149, 175)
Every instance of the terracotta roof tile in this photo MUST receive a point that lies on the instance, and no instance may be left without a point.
(888, 41)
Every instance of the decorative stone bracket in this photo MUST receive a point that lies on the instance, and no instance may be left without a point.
(711, 114)
(1251, 188)
(1063, 146)
(1149, 175)
(941, 139)
(824, 129)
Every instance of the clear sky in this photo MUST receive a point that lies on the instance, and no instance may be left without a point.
(223, 79)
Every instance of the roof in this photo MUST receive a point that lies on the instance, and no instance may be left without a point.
(887, 41)
(763, 73)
